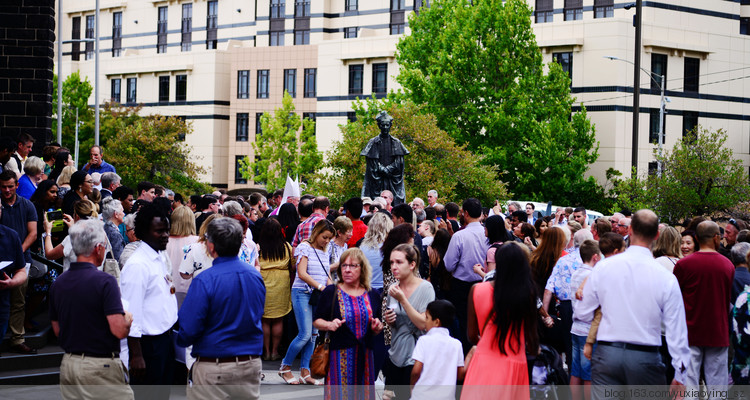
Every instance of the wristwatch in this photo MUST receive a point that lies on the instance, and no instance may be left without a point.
(44, 235)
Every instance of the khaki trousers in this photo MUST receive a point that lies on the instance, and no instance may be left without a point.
(211, 380)
(84, 377)
(17, 313)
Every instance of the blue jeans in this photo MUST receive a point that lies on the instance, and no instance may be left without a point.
(305, 340)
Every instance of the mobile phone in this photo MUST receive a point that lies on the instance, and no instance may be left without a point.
(439, 219)
(54, 215)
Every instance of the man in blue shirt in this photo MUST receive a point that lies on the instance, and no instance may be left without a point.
(221, 319)
(11, 254)
(97, 164)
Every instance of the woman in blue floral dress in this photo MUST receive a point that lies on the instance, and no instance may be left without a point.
(740, 368)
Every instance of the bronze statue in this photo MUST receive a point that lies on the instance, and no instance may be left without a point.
(385, 163)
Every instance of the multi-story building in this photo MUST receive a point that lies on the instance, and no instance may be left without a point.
(222, 63)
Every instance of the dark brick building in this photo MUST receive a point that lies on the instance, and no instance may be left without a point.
(26, 68)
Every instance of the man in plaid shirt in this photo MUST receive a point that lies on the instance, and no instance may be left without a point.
(320, 210)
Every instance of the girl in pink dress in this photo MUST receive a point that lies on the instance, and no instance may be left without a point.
(502, 311)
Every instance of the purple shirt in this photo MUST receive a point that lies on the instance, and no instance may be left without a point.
(467, 247)
(102, 168)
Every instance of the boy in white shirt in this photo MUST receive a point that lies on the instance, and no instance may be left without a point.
(438, 358)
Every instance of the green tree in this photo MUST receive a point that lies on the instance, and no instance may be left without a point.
(75, 96)
(435, 161)
(280, 152)
(150, 149)
(699, 177)
(476, 66)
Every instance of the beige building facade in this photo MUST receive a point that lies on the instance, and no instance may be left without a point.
(221, 63)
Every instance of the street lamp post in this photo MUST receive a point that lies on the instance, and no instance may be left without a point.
(662, 106)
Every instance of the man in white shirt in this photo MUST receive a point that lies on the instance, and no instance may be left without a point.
(147, 286)
(636, 295)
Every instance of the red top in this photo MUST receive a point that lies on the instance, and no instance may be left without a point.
(706, 283)
(358, 232)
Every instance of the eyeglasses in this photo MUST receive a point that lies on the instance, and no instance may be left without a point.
(350, 266)
(92, 182)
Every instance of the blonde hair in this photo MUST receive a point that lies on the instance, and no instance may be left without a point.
(85, 209)
(321, 226)
(377, 230)
(65, 174)
(365, 272)
(183, 222)
(204, 229)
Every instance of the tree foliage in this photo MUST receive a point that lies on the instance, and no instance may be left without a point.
(75, 96)
(477, 68)
(150, 149)
(699, 177)
(280, 152)
(435, 160)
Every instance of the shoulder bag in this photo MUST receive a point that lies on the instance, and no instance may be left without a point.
(319, 363)
(111, 266)
(315, 295)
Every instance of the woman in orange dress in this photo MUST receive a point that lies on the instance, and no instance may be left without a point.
(507, 315)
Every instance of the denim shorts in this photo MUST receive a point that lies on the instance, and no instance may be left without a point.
(580, 366)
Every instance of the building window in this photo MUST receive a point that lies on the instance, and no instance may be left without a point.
(689, 122)
(277, 9)
(543, 11)
(380, 78)
(180, 88)
(301, 8)
(132, 82)
(398, 17)
(604, 9)
(653, 168)
(566, 62)
(356, 73)
(116, 90)
(744, 26)
(76, 34)
(653, 132)
(351, 116)
(419, 4)
(301, 37)
(90, 24)
(187, 27)
(212, 24)
(350, 33)
(262, 84)
(258, 125)
(573, 10)
(658, 68)
(243, 84)
(276, 38)
(243, 123)
(351, 5)
(161, 31)
(311, 82)
(163, 89)
(290, 81)
(692, 74)
(313, 118)
(116, 34)
(238, 178)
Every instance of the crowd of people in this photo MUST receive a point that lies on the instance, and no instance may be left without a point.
(426, 295)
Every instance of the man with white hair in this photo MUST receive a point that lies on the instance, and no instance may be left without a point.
(417, 205)
(559, 284)
(96, 179)
(110, 182)
(432, 197)
(738, 256)
(89, 320)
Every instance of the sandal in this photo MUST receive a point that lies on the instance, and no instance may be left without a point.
(289, 381)
(308, 380)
